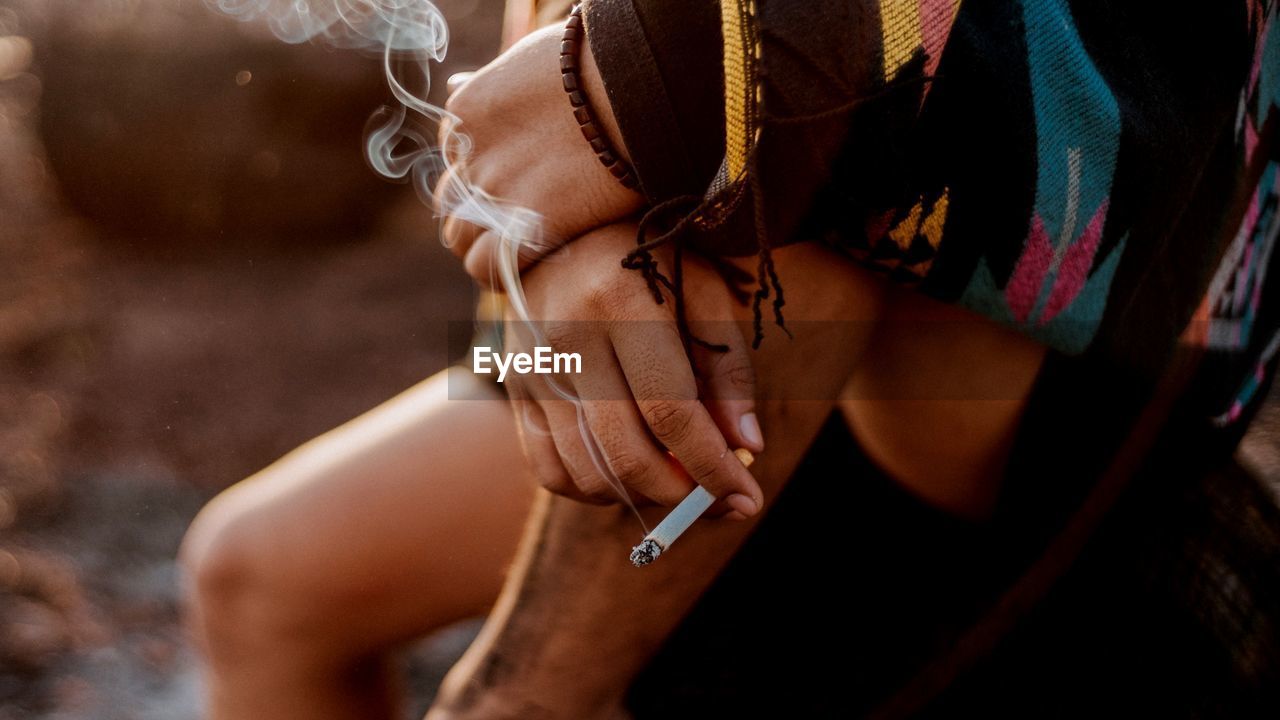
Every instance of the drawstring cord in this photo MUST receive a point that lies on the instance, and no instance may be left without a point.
(710, 210)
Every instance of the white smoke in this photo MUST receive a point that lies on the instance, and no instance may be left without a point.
(409, 35)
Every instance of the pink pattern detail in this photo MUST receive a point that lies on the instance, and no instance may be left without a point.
(936, 19)
(1236, 410)
(1075, 266)
(1028, 275)
(1250, 138)
(1251, 216)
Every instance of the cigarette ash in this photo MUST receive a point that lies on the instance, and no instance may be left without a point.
(645, 553)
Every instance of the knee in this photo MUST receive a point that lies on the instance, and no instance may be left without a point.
(228, 598)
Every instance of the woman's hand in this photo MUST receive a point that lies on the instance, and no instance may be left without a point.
(528, 151)
(639, 394)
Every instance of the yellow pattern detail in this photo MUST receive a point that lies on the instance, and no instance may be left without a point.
(739, 87)
(901, 33)
(933, 225)
(905, 231)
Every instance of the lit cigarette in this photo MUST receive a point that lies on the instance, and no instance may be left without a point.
(679, 519)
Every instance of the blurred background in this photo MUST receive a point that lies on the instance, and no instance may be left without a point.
(197, 273)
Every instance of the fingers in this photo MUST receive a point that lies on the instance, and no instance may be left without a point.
(473, 224)
(481, 260)
(728, 381)
(459, 235)
(448, 197)
(640, 430)
(628, 449)
(588, 470)
(540, 450)
(584, 470)
(478, 249)
(475, 247)
(599, 448)
(657, 370)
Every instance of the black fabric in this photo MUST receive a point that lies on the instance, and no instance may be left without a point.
(850, 585)
(1173, 610)
(674, 152)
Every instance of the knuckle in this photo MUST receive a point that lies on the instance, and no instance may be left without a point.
(664, 487)
(618, 295)
(450, 193)
(702, 466)
(738, 372)
(448, 125)
(453, 237)
(668, 495)
(552, 477)
(460, 103)
(555, 483)
(603, 293)
(629, 468)
(561, 335)
(596, 490)
(663, 334)
(478, 259)
(669, 419)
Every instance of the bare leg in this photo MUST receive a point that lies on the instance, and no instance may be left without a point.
(307, 574)
(937, 400)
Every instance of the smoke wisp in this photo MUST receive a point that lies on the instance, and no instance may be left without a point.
(409, 35)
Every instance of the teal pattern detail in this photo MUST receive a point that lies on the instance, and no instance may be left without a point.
(1051, 294)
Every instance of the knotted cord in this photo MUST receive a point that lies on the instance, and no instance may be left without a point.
(739, 173)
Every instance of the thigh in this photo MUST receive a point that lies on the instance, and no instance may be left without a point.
(393, 524)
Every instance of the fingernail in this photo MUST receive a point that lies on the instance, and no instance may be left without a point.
(749, 426)
(742, 504)
(734, 515)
